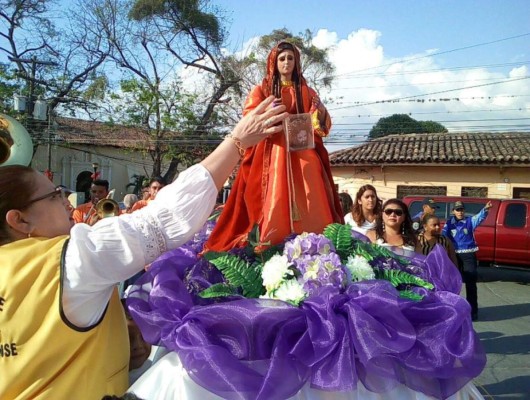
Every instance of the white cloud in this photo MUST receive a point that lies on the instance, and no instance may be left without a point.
(419, 86)
(369, 85)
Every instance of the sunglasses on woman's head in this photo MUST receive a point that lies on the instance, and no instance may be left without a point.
(397, 211)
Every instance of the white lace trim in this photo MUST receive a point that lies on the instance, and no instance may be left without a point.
(154, 241)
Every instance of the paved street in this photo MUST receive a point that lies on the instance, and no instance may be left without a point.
(504, 328)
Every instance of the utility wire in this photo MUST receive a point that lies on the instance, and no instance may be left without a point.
(436, 54)
(428, 94)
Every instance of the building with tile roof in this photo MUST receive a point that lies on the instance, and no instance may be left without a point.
(120, 151)
(493, 165)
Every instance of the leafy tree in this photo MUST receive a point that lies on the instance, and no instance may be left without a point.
(8, 87)
(71, 56)
(403, 124)
(150, 40)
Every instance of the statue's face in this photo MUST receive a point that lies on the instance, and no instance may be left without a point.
(285, 64)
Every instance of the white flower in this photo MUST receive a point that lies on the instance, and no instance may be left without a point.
(291, 291)
(274, 272)
(359, 269)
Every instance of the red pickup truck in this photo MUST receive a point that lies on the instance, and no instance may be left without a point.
(504, 236)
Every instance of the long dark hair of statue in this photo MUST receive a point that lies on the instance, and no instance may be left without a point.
(296, 78)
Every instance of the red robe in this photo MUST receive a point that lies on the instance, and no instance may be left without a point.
(262, 192)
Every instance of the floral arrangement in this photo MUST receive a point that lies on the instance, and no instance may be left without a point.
(351, 312)
(303, 264)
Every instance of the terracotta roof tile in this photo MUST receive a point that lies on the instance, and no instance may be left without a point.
(455, 148)
(78, 131)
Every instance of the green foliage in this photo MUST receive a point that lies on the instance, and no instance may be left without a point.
(403, 124)
(340, 236)
(185, 15)
(8, 87)
(97, 88)
(238, 273)
(218, 290)
(410, 295)
(433, 127)
(400, 278)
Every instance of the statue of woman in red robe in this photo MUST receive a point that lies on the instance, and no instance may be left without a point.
(281, 191)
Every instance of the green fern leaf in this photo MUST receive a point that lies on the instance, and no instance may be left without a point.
(409, 294)
(240, 273)
(397, 278)
(218, 290)
(340, 236)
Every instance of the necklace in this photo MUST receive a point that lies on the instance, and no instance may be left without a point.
(287, 83)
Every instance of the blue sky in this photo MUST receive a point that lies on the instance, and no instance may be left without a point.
(462, 63)
(407, 27)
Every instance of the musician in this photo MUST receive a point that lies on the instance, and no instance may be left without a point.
(98, 190)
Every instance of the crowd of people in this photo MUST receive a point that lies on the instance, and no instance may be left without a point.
(63, 267)
(390, 224)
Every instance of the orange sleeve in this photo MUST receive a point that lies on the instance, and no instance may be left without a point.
(77, 215)
(319, 115)
(255, 97)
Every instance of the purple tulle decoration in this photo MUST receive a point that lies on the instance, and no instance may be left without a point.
(241, 348)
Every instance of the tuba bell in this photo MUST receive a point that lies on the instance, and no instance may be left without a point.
(16, 147)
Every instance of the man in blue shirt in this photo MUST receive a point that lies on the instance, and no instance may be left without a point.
(460, 229)
(428, 206)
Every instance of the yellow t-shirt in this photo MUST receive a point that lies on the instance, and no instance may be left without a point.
(42, 354)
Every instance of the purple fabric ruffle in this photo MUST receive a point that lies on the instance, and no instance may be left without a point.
(242, 348)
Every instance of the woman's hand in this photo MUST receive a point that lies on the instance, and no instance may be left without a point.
(261, 122)
(255, 126)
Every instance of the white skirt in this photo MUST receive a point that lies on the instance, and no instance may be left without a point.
(167, 380)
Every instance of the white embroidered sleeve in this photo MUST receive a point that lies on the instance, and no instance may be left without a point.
(99, 257)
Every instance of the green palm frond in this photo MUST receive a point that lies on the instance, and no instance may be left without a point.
(238, 272)
(340, 236)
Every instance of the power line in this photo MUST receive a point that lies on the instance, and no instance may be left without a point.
(415, 84)
(428, 94)
(436, 54)
(429, 113)
(425, 71)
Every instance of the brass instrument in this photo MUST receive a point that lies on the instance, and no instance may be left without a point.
(107, 208)
(16, 147)
(103, 208)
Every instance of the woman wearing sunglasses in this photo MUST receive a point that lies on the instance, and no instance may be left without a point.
(393, 227)
(63, 330)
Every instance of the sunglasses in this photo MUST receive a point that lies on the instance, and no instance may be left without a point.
(397, 211)
(459, 209)
(58, 191)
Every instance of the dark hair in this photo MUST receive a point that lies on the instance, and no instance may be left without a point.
(17, 185)
(357, 211)
(345, 202)
(158, 179)
(427, 217)
(101, 182)
(407, 232)
(296, 77)
(126, 396)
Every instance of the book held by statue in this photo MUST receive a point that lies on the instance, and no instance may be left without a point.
(299, 132)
